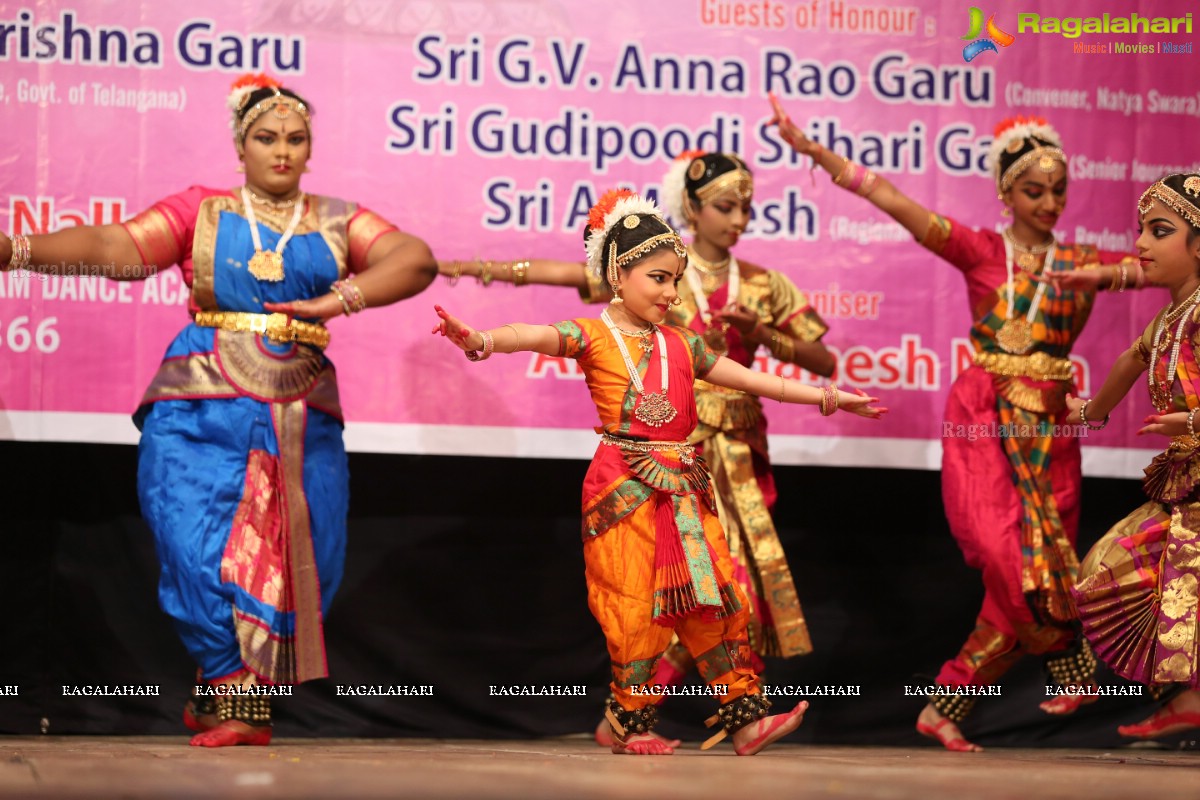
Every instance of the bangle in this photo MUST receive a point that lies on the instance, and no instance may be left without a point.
(333, 287)
(517, 334)
(488, 345)
(829, 400)
(1191, 423)
(846, 164)
(782, 388)
(520, 271)
(1139, 279)
(868, 184)
(350, 295)
(1124, 277)
(20, 253)
(485, 272)
(1083, 418)
(782, 347)
(455, 272)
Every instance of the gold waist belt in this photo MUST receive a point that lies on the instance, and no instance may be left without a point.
(1038, 366)
(686, 450)
(276, 327)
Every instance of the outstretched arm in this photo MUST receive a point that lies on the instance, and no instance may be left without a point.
(106, 250)
(1124, 373)
(878, 190)
(732, 375)
(538, 270)
(509, 338)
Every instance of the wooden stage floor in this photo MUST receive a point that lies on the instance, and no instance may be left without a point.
(159, 767)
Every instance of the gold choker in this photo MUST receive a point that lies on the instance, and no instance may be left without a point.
(276, 204)
(707, 267)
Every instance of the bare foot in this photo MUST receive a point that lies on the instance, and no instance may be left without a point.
(604, 736)
(757, 735)
(231, 732)
(1064, 704)
(642, 744)
(1181, 714)
(932, 724)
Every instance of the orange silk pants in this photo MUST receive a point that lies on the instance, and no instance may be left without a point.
(620, 577)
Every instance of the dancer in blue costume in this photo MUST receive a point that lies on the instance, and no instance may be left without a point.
(242, 473)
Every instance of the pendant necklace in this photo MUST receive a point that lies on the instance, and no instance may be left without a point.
(655, 409)
(1016, 334)
(267, 265)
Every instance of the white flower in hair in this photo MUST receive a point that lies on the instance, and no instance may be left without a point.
(242, 88)
(611, 208)
(1018, 129)
(234, 102)
(674, 184)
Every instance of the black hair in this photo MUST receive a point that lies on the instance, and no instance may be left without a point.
(1028, 144)
(626, 238)
(715, 165)
(1176, 183)
(258, 95)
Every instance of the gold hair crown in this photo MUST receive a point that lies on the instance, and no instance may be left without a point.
(739, 180)
(1045, 156)
(617, 260)
(281, 105)
(1173, 199)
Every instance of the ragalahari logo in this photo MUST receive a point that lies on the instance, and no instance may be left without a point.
(997, 36)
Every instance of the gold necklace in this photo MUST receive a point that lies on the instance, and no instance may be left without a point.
(1160, 394)
(706, 267)
(275, 204)
(713, 274)
(643, 336)
(1028, 257)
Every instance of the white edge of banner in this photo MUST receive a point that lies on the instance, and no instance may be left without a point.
(503, 442)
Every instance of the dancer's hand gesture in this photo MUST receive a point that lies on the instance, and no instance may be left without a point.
(457, 331)
(788, 130)
(859, 402)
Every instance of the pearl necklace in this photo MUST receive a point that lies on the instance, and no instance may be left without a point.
(1160, 394)
(655, 408)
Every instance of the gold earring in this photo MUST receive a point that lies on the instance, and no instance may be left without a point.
(678, 301)
(617, 299)
(240, 168)
(1007, 212)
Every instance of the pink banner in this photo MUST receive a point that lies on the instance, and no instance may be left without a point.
(489, 128)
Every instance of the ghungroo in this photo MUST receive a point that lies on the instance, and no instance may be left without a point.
(252, 709)
(953, 707)
(626, 723)
(1073, 667)
(203, 705)
(735, 715)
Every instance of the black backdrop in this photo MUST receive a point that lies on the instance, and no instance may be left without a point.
(464, 573)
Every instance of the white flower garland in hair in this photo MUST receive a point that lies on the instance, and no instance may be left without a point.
(674, 184)
(634, 204)
(1022, 130)
(234, 102)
